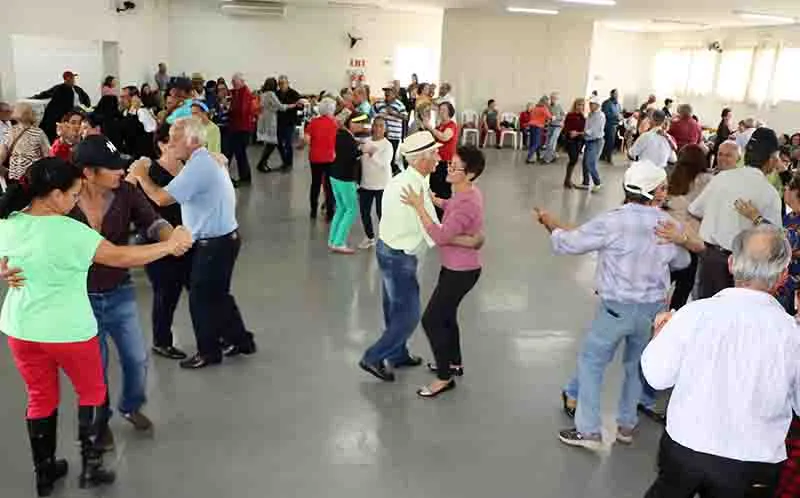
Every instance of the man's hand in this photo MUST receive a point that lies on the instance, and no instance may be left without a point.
(545, 218)
(12, 276)
(180, 241)
(139, 168)
(469, 241)
(660, 321)
(437, 201)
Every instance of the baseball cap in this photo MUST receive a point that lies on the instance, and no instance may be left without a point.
(97, 150)
(68, 74)
(763, 143)
(643, 177)
(202, 105)
(594, 100)
(418, 142)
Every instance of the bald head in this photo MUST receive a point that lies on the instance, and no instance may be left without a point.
(761, 255)
(728, 155)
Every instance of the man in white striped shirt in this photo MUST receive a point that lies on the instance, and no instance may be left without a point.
(734, 362)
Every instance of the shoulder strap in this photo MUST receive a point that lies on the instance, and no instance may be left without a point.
(14, 142)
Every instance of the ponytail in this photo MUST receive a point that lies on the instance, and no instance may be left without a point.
(43, 176)
(16, 198)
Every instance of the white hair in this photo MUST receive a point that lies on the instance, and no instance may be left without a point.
(732, 143)
(193, 129)
(753, 265)
(327, 106)
(238, 76)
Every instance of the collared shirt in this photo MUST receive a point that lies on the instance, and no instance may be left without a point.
(721, 223)
(733, 359)
(400, 226)
(633, 266)
(613, 111)
(126, 205)
(394, 124)
(558, 115)
(653, 147)
(205, 192)
(595, 126)
(686, 131)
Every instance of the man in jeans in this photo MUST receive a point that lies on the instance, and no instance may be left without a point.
(593, 140)
(633, 279)
(208, 205)
(287, 121)
(554, 128)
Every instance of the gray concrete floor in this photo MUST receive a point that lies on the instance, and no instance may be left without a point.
(301, 420)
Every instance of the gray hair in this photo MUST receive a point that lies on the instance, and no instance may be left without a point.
(237, 76)
(544, 100)
(760, 263)
(327, 107)
(283, 77)
(750, 122)
(193, 129)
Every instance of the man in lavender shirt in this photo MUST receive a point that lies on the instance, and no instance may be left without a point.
(632, 280)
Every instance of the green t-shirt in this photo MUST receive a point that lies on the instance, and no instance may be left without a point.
(54, 253)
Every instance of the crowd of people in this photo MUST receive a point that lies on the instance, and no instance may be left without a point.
(696, 275)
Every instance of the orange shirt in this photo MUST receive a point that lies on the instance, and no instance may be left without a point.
(540, 115)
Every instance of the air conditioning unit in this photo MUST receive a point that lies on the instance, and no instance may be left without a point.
(253, 8)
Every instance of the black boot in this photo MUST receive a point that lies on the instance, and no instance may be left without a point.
(42, 433)
(91, 420)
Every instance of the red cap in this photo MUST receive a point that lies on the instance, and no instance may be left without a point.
(68, 74)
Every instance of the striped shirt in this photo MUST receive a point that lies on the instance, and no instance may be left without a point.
(633, 266)
(30, 144)
(733, 359)
(394, 124)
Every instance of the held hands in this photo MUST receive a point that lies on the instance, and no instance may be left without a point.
(411, 198)
(747, 209)
(12, 276)
(139, 168)
(660, 321)
(180, 241)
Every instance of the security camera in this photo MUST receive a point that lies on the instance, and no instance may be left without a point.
(715, 47)
(125, 5)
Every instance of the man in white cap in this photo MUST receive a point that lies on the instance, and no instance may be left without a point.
(632, 280)
(593, 138)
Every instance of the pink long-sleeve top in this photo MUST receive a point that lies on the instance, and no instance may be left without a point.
(463, 215)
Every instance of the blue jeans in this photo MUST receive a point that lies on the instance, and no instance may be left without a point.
(591, 154)
(613, 323)
(534, 140)
(553, 133)
(118, 317)
(647, 399)
(610, 138)
(401, 308)
(285, 137)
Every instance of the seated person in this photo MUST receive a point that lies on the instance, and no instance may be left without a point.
(490, 120)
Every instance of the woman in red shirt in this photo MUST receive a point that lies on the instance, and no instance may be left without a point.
(574, 125)
(447, 134)
(320, 135)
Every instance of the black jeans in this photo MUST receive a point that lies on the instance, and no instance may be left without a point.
(168, 276)
(440, 320)
(574, 147)
(713, 273)
(684, 283)
(318, 172)
(439, 185)
(214, 312)
(683, 472)
(264, 161)
(395, 145)
(285, 136)
(225, 142)
(365, 198)
(239, 140)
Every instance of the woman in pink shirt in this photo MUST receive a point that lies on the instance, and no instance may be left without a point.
(461, 266)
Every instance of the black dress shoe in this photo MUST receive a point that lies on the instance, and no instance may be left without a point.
(199, 361)
(425, 392)
(411, 361)
(454, 371)
(170, 352)
(380, 371)
(232, 350)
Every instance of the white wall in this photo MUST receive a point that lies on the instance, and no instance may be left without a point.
(514, 59)
(310, 44)
(621, 60)
(142, 35)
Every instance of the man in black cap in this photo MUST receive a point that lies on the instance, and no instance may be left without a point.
(109, 205)
(721, 222)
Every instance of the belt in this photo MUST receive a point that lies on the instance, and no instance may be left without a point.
(719, 249)
(209, 240)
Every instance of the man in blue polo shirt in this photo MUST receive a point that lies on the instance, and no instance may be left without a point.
(205, 193)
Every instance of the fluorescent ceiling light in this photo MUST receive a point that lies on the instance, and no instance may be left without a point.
(608, 3)
(525, 10)
(757, 16)
(679, 22)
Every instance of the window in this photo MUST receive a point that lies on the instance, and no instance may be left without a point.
(785, 84)
(419, 60)
(734, 72)
(701, 72)
(671, 72)
(763, 68)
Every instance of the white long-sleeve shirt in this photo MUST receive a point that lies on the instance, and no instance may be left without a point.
(734, 360)
(376, 166)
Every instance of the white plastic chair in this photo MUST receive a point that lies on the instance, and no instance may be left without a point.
(510, 117)
(470, 117)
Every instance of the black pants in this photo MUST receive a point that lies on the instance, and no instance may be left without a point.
(318, 172)
(684, 283)
(239, 140)
(395, 145)
(439, 185)
(225, 143)
(574, 147)
(268, 149)
(683, 472)
(285, 136)
(214, 312)
(168, 276)
(365, 198)
(713, 272)
(440, 319)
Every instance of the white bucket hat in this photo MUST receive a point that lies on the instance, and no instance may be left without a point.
(417, 143)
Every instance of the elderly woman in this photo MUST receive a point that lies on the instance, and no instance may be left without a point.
(574, 125)
(24, 144)
(320, 135)
(267, 130)
(344, 174)
(540, 117)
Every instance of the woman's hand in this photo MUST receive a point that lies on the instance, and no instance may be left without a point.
(670, 232)
(12, 276)
(747, 209)
(437, 201)
(180, 241)
(413, 199)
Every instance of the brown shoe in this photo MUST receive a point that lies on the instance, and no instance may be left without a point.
(139, 421)
(625, 435)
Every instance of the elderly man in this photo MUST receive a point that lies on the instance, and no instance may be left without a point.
(728, 155)
(613, 113)
(241, 124)
(685, 129)
(632, 280)
(287, 121)
(63, 97)
(655, 145)
(720, 220)
(394, 114)
(208, 207)
(554, 128)
(732, 361)
(649, 104)
(593, 134)
(445, 95)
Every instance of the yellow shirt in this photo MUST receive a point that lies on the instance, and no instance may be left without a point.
(213, 138)
(400, 226)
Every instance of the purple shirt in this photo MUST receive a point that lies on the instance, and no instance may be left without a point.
(463, 215)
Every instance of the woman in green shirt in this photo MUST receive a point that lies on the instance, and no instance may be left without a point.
(48, 318)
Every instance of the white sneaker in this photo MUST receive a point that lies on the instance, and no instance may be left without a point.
(366, 244)
(597, 188)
